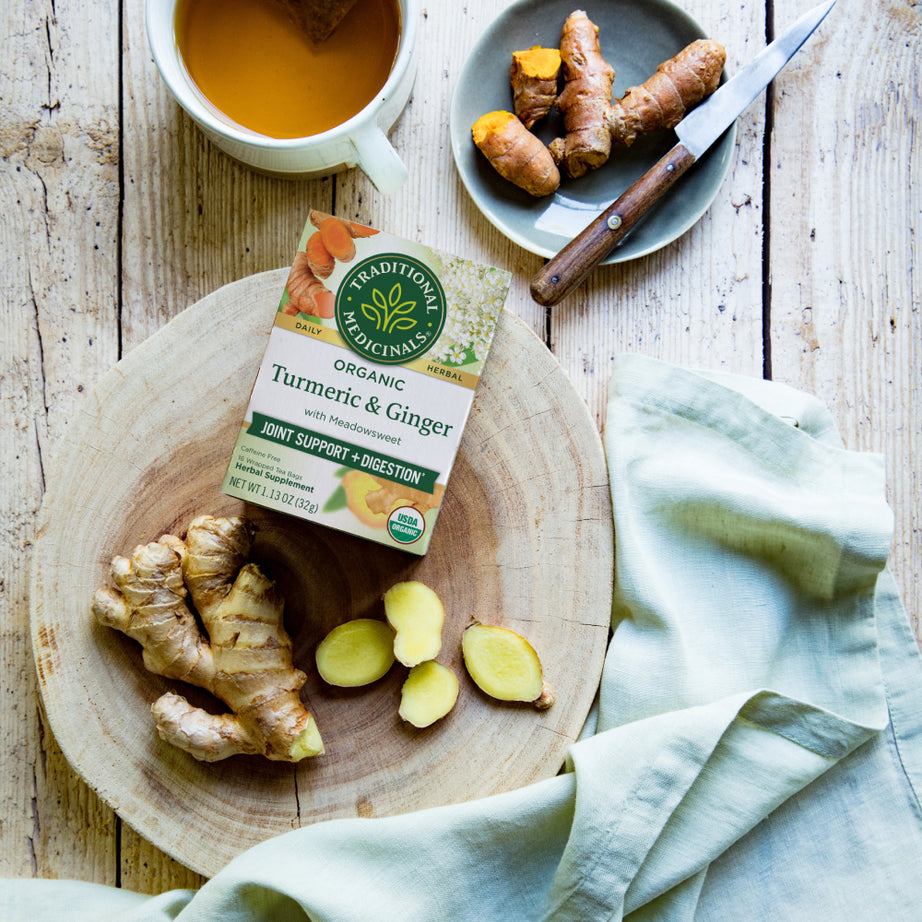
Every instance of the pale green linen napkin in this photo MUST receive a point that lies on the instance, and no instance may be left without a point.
(756, 754)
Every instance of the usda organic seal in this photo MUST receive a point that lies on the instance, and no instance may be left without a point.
(390, 308)
(406, 524)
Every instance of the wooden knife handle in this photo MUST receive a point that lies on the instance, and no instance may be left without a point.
(564, 272)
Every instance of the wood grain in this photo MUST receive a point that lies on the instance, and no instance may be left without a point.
(59, 195)
(846, 200)
(524, 539)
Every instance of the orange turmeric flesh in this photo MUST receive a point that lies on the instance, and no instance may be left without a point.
(515, 153)
(533, 76)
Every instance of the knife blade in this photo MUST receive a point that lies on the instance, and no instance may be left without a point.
(696, 132)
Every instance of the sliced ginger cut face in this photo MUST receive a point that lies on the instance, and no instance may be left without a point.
(416, 614)
(429, 693)
(504, 665)
(356, 653)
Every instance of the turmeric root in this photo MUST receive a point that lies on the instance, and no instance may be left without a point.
(678, 85)
(592, 121)
(504, 665)
(585, 100)
(428, 694)
(515, 153)
(533, 76)
(246, 660)
(306, 293)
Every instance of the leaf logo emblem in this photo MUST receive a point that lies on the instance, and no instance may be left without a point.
(389, 314)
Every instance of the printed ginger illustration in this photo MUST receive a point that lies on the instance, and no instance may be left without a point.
(372, 499)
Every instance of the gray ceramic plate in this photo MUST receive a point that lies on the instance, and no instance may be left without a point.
(635, 36)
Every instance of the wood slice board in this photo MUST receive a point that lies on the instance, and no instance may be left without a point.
(524, 539)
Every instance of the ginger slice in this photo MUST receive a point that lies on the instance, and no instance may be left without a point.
(416, 614)
(356, 653)
(504, 665)
(428, 694)
(246, 659)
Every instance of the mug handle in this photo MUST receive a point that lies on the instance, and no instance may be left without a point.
(378, 159)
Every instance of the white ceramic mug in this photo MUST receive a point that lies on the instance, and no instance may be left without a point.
(360, 141)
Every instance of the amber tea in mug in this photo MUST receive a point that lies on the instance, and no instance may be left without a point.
(258, 67)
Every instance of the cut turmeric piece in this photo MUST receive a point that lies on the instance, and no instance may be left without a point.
(356, 653)
(428, 694)
(416, 614)
(534, 82)
(515, 153)
(504, 665)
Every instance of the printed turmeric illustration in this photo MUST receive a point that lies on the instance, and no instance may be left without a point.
(331, 242)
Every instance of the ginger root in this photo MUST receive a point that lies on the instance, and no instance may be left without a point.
(356, 653)
(504, 665)
(533, 76)
(246, 659)
(416, 614)
(515, 153)
(428, 694)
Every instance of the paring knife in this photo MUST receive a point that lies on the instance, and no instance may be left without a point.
(696, 133)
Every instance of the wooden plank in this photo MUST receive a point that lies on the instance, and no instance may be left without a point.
(59, 196)
(846, 195)
(696, 302)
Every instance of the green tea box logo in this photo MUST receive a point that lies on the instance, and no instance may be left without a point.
(390, 308)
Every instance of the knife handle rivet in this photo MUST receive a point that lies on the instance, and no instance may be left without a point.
(670, 167)
(614, 222)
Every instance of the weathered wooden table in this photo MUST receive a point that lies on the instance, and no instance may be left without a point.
(117, 215)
